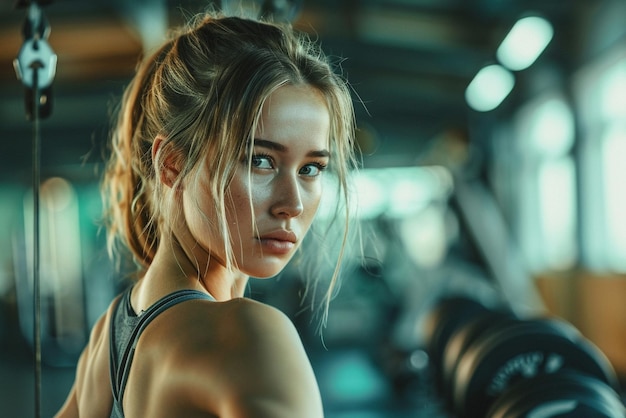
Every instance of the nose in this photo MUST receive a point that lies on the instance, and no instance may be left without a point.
(287, 197)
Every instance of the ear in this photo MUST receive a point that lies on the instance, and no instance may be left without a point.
(166, 164)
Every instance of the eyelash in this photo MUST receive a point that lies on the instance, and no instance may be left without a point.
(320, 166)
(265, 156)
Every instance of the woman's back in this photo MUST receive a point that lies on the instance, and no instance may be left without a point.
(203, 358)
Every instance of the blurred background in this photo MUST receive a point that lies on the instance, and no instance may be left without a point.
(490, 168)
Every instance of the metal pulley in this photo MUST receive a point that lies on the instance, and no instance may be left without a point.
(35, 65)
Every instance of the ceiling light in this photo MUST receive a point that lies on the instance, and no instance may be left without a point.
(527, 39)
(489, 88)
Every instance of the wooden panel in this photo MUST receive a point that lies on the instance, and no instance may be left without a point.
(595, 304)
(86, 50)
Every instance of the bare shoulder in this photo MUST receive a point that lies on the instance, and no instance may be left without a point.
(239, 358)
(232, 325)
(260, 322)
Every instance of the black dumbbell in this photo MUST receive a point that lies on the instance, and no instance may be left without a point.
(478, 325)
(563, 394)
(443, 320)
(520, 350)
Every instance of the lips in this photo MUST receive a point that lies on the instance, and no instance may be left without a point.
(279, 242)
(280, 235)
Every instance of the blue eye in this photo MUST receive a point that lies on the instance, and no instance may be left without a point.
(262, 162)
(312, 170)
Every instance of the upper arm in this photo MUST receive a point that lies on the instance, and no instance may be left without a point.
(255, 366)
(90, 394)
(272, 375)
(70, 407)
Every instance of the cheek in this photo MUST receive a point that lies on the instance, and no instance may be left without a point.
(313, 200)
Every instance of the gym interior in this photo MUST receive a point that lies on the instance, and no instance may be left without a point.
(489, 278)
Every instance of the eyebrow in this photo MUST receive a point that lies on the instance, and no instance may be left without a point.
(275, 146)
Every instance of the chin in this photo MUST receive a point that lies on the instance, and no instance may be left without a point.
(264, 266)
(266, 274)
(267, 271)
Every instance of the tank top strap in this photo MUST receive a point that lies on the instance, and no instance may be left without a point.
(119, 372)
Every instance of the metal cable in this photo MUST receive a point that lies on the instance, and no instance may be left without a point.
(36, 144)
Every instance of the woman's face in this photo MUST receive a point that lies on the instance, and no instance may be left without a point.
(285, 185)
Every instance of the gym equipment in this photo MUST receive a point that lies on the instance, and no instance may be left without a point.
(563, 394)
(446, 317)
(35, 66)
(490, 363)
(523, 349)
(475, 327)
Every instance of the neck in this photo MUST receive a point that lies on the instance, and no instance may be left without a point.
(174, 268)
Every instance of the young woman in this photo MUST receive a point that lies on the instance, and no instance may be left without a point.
(222, 142)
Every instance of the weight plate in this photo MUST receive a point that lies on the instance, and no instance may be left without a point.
(562, 394)
(443, 320)
(522, 350)
(474, 328)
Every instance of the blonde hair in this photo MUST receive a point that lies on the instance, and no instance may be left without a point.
(202, 91)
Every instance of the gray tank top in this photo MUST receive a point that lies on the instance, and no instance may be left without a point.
(126, 328)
